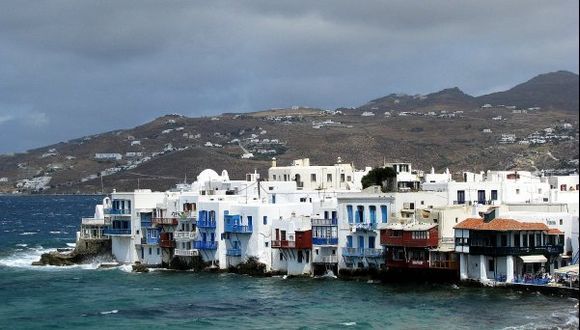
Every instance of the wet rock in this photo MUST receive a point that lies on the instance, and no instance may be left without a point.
(140, 268)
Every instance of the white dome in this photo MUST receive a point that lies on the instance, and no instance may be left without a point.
(208, 175)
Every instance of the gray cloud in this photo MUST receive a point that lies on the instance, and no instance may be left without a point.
(77, 68)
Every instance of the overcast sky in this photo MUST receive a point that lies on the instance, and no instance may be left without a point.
(73, 68)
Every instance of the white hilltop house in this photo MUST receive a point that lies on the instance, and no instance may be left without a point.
(340, 176)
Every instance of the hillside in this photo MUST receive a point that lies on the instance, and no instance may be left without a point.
(442, 129)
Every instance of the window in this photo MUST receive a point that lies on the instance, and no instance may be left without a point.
(460, 196)
(517, 191)
(504, 240)
(360, 214)
(348, 178)
(158, 251)
(265, 220)
(395, 233)
(494, 195)
(481, 196)
(312, 177)
(373, 213)
(328, 177)
(266, 244)
(349, 213)
(342, 178)
(149, 251)
(281, 256)
(384, 214)
(420, 235)
(517, 240)
(561, 222)
(490, 265)
(300, 256)
(371, 242)
(349, 241)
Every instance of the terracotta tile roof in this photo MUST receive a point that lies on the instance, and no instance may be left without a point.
(500, 225)
(554, 231)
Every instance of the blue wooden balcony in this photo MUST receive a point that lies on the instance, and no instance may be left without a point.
(240, 229)
(325, 240)
(117, 231)
(206, 223)
(234, 252)
(152, 240)
(205, 245)
(362, 252)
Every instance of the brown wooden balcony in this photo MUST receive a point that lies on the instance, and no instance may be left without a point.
(165, 243)
(165, 221)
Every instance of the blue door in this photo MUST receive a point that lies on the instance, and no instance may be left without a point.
(250, 222)
(361, 242)
(371, 242)
(212, 236)
(349, 241)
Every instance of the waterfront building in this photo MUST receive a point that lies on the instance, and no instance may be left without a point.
(505, 250)
(292, 245)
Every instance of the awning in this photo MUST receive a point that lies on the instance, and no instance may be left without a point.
(533, 259)
(572, 269)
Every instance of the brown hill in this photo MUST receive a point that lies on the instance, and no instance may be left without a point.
(443, 129)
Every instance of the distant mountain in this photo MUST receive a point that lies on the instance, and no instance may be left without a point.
(447, 99)
(445, 129)
(555, 90)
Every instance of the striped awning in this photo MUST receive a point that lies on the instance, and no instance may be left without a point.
(533, 259)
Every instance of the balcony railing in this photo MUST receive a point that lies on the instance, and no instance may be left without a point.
(325, 240)
(506, 251)
(364, 226)
(324, 259)
(234, 252)
(324, 222)
(277, 244)
(184, 235)
(150, 240)
(93, 222)
(186, 253)
(166, 243)
(362, 252)
(117, 211)
(445, 264)
(117, 231)
(165, 221)
(241, 229)
(206, 223)
(205, 245)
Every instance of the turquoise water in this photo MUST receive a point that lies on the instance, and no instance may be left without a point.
(85, 297)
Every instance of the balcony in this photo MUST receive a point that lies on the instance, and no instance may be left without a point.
(407, 264)
(118, 232)
(325, 222)
(206, 223)
(117, 211)
(324, 259)
(325, 241)
(444, 264)
(234, 252)
(235, 228)
(506, 251)
(184, 235)
(406, 240)
(362, 252)
(166, 243)
(93, 222)
(150, 240)
(205, 245)
(186, 253)
(363, 226)
(165, 221)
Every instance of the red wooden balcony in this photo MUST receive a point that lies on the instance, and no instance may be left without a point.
(165, 243)
(165, 221)
(390, 237)
(303, 241)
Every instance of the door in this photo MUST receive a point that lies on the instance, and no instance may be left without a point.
(461, 197)
(481, 196)
(349, 241)
(371, 242)
(277, 234)
(361, 242)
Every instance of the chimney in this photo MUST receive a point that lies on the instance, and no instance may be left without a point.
(273, 161)
(491, 214)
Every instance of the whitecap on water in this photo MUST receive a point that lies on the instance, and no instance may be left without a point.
(25, 258)
(26, 233)
(71, 244)
(348, 324)
(114, 311)
(22, 245)
(126, 268)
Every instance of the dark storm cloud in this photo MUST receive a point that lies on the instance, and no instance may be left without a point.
(71, 68)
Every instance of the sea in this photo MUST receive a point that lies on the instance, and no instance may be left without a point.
(84, 297)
